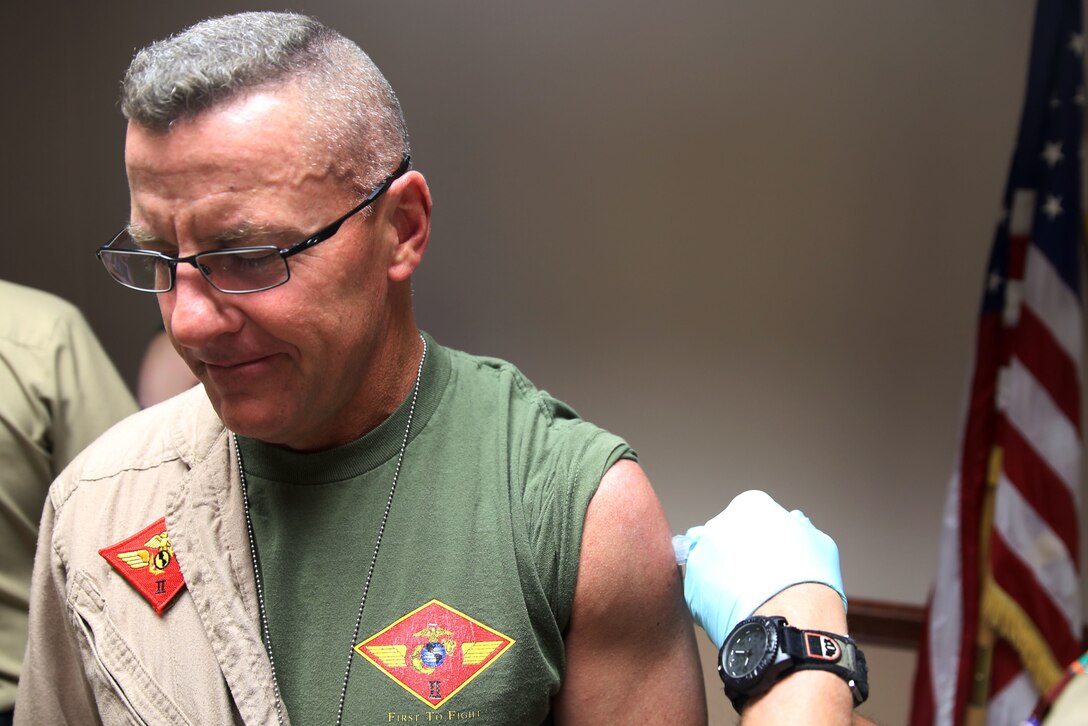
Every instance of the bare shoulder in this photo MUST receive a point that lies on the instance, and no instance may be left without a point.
(626, 540)
(629, 609)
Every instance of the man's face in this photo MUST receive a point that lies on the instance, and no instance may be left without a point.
(290, 365)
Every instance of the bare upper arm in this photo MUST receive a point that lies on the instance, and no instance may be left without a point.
(630, 646)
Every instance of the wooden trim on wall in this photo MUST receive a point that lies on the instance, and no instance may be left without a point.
(892, 624)
(895, 625)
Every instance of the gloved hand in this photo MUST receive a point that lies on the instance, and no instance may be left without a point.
(748, 554)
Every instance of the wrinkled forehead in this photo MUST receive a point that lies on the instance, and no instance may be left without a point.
(246, 162)
(260, 132)
(261, 137)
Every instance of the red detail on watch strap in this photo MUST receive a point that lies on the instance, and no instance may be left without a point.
(818, 645)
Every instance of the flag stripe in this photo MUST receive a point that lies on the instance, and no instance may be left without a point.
(946, 626)
(1006, 705)
(1017, 579)
(1030, 409)
(1006, 668)
(1047, 294)
(923, 711)
(1041, 489)
(1037, 548)
(1048, 364)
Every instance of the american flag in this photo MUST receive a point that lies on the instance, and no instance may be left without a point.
(1005, 613)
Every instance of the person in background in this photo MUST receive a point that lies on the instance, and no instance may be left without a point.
(58, 392)
(163, 373)
(1066, 703)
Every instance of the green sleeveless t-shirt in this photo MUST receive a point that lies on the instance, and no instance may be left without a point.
(475, 576)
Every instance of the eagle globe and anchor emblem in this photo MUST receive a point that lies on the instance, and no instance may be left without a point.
(427, 657)
(434, 651)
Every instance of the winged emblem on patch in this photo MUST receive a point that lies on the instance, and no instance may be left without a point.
(147, 561)
(157, 563)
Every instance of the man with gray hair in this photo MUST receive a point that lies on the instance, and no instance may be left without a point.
(347, 522)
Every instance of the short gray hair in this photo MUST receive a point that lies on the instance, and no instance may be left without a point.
(354, 114)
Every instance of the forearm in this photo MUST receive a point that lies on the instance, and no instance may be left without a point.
(796, 577)
(815, 697)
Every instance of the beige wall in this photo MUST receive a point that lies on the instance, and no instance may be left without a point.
(749, 236)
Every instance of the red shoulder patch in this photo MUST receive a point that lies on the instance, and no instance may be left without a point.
(434, 651)
(147, 561)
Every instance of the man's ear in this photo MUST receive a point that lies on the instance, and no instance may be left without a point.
(411, 220)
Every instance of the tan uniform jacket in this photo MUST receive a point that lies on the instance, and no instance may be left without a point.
(98, 651)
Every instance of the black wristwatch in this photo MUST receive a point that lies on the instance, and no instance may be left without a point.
(761, 650)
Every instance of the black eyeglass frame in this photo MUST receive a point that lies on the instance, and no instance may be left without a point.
(314, 239)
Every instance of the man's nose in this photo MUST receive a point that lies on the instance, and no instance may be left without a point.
(200, 313)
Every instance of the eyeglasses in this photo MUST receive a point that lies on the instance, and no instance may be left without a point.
(234, 270)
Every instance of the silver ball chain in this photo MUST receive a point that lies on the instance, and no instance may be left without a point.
(370, 572)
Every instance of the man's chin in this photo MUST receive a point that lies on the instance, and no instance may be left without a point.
(249, 418)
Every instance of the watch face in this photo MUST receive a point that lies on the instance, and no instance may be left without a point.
(745, 649)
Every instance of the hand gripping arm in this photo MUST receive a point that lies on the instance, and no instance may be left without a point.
(746, 555)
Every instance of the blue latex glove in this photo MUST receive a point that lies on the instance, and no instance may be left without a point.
(746, 555)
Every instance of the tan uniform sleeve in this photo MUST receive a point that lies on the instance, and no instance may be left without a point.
(90, 395)
(58, 392)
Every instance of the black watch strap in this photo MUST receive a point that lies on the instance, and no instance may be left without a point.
(820, 650)
(800, 650)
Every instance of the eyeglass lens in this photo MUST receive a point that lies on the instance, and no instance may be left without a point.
(243, 269)
(231, 270)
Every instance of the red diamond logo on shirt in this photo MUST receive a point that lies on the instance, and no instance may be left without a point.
(434, 651)
(147, 561)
